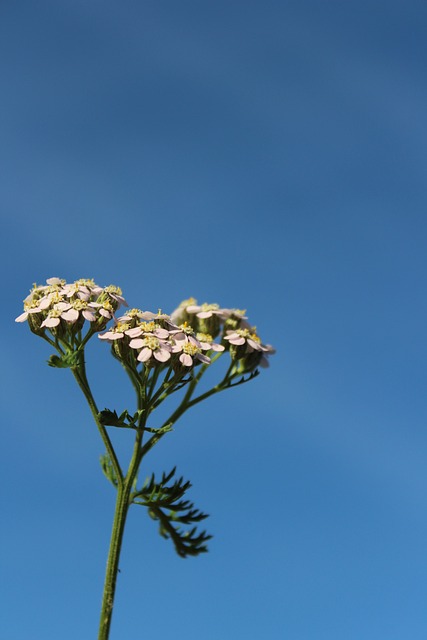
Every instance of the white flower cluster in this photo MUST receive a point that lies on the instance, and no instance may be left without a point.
(236, 333)
(187, 336)
(155, 339)
(58, 304)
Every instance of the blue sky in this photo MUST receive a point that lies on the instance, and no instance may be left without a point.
(268, 156)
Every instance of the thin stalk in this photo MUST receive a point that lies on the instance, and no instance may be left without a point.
(120, 513)
(81, 379)
(122, 506)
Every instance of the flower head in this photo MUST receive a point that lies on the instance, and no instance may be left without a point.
(246, 345)
(63, 308)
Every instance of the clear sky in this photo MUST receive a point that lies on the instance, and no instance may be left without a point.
(268, 155)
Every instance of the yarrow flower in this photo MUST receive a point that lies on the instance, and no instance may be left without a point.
(245, 344)
(207, 317)
(61, 306)
(156, 339)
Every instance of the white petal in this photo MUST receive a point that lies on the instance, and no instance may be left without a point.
(71, 315)
(162, 355)
(204, 314)
(134, 333)
(217, 347)
(50, 322)
(192, 308)
(44, 303)
(136, 343)
(88, 315)
(203, 358)
(161, 333)
(254, 345)
(53, 281)
(186, 360)
(237, 340)
(145, 355)
(22, 317)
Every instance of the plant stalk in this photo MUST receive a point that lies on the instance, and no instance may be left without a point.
(121, 510)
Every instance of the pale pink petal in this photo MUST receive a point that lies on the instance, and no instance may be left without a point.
(133, 333)
(145, 355)
(203, 358)
(88, 315)
(254, 345)
(217, 347)
(162, 355)
(53, 281)
(192, 308)
(177, 348)
(136, 343)
(117, 335)
(161, 333)
(105, 313)
(62, 306)
(22, 317)
(204, 314)
(105, 336)
(147, 315)
(71, 315)
(44, 303)
(50, 322)
(231, 334)
(186, 360)
(237, 340)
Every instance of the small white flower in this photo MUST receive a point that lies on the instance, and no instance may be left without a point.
(151, 347)
(190, 352)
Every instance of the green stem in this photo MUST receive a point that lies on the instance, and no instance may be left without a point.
(81, 379)
(122, 506)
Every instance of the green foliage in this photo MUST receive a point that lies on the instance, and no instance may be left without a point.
(125, 419)
(165, 504)
(108, 469)
(68, 360)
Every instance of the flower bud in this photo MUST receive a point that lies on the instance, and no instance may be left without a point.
(237, 351)
(34, 322)
(209, 325)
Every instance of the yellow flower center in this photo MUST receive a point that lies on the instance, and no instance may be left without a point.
(191, 349)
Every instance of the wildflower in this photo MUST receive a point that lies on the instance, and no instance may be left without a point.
(152, 328)
(189, 352)
(246, 345)
(71, 304)
(245, 336)
(207, 343)
(115, 333)
(151, 347)
(180, 314)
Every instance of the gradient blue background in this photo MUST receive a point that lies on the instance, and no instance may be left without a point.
(266, 155)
